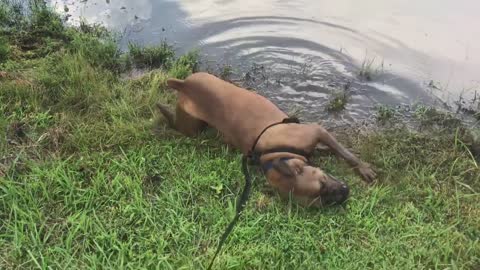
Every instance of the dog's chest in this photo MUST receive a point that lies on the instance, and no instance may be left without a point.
(298, 136)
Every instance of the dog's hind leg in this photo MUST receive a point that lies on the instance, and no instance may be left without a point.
(167, 113)
(187, 124)
(181, 120)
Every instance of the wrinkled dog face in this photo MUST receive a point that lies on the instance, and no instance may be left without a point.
(334, 191)
(310, 185)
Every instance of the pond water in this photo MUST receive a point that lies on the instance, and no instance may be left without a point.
(298, 52)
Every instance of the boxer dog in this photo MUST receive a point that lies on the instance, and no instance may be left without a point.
(247, 119)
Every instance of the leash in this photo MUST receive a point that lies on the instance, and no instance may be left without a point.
(242, 201)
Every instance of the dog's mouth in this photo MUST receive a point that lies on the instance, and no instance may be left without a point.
(334, 192)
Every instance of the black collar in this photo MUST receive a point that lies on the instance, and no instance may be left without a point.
(269, 164)
(254, 156)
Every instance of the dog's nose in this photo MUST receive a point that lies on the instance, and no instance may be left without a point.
(337, 195)
(343, 193)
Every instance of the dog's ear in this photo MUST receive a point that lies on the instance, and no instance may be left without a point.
(297, 165)
(283, 168)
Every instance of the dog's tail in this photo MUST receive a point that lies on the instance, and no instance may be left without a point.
(176, 84)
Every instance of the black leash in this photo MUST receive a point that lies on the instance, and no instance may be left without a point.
(242, 201)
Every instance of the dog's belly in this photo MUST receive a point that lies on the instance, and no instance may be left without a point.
(239, 129)
(298, 136)
(240, 115)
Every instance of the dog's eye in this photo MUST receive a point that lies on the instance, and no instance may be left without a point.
(322, 178)
(322, 191)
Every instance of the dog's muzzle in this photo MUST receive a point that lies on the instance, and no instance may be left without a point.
(337, 193)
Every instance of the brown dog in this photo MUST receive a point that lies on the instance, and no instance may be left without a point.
(241, 115)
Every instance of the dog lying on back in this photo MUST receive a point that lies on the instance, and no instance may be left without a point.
(241, 115)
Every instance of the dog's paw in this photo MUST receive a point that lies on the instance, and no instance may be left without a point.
(366, 172)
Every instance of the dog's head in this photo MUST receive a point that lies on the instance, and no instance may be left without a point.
(309, 185)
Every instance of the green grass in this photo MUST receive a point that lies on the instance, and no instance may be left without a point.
(90, 178)
(226, 72)
(432, 117)
(151, 56)
(384, 113)
(338, 99)
(4, 50)
(338, 102)
(368, 70)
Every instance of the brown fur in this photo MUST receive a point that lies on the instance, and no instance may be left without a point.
(241, 115)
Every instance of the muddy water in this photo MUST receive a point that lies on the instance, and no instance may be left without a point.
(298, 52)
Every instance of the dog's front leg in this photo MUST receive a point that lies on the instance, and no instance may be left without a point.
(362, 168)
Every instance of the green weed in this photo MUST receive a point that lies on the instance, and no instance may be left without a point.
(338, 100)
(368, 70)
(295, 110)
(432, 117)
(385, 113)
(226, 72)
(151, 56)
(11, 14)
(99, 52)
(4, 49)
(185, 65)
(68, 82)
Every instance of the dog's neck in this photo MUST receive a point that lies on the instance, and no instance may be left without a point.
(272, 156)
(268, 163)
